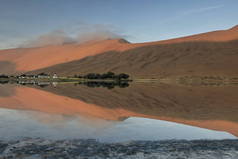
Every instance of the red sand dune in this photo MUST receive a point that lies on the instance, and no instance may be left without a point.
(34, 58)
(217, 36)
(38, 100)
(27, 59)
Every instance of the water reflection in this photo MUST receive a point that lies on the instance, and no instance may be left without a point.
(134, 112)
(21, 124)
(92, 84)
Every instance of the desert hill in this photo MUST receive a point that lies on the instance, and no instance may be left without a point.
(155, 61)
(216, 36)
(26, 59)
(29, 59)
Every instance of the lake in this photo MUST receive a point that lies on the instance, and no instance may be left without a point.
(141, 111)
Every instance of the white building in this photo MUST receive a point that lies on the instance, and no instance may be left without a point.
(55, 76)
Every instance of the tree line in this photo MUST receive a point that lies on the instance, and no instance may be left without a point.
(108, 75)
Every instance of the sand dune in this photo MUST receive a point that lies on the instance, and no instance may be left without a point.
(214, 36)
(160, 61)
(34, 58)
(28, 59)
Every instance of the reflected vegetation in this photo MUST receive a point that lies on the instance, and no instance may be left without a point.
(109, 85)
(92, 84)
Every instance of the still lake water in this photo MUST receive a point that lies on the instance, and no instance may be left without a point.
(138, 112)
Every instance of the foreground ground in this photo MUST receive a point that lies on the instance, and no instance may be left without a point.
(91, 149)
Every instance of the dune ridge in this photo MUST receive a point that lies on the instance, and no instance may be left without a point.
(28, 59)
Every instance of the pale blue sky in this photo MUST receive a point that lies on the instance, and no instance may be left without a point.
(136, 20)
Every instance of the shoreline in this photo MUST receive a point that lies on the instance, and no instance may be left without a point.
(92, 149)
(183, 80)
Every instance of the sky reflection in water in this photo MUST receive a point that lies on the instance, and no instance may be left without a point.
(15, 124)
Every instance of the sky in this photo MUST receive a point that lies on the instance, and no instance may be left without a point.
(135, 20)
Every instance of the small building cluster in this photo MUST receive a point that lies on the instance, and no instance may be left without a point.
(40, 75)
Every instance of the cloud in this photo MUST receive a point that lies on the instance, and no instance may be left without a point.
(201, 10)
(83, 33)
(58, 37)
(9, 42)
(96, 32)
(185, 13)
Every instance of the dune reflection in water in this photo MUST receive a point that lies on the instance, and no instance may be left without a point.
(80, 112)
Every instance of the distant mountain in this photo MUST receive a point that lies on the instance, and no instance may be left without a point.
(212, 52)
